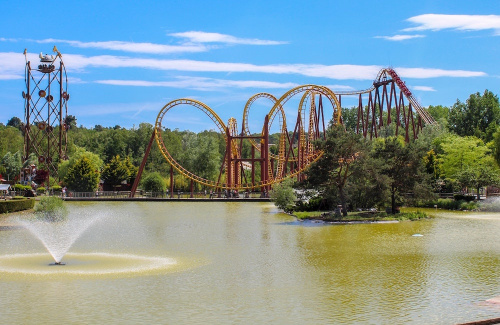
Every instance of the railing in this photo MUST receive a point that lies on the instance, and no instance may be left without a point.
(165, 195)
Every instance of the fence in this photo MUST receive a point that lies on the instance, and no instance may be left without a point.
(166, 195)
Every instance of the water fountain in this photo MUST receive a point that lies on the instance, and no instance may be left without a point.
(59, 234)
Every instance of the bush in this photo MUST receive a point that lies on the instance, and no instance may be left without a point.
(449, 204)
(40, 190)
(154, 183)
(417, 215)
(51, 208)
(16, 205)
(314, 204)
(21, 187)
(57, 188)
(469, 206)
(283, 195)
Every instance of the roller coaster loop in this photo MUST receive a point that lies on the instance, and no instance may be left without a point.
(387, 101)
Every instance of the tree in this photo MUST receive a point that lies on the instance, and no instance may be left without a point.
(459, 153)
(154, 183)
(207, 160)
(82, 176)
(79, 153)
(15, 122)
(11, 140)
(478, 177)
(403, 166)
(479, 116)
(70, 121)
(283, 195)
(41, 176)
(31, 160)
(132, 170)
(12, 164)
(439, 113)
(115, 172)
(344, 153)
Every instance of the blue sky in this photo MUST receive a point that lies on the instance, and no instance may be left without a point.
(126, 60)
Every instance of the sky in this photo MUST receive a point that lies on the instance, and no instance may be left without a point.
(125, 60)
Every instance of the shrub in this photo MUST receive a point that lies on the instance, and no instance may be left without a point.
(154, 183)
(468, 206)
(283, 195)
(51, 208)
(16, 205)
(314, 204)
(57, 188)
(417, 215)
(40, 190)
(449, 204)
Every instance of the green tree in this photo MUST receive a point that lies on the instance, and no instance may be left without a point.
(32, 160)
(207, 160)
(70, 121)
(132, 170)
(344, 153)
(478, 177)
(11, 140)
(154, 183)
(115, 172)
(432, 164)
(439, 113)
(350, 118)
(15, 122)
(82, 176)
(495, 146)
(479, 116)
(77, 154)
(283, 195)
(403, 166)
(12, 164)
(460, 153)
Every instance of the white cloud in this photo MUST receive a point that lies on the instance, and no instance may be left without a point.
(150, 48)
(200, 83)
(459, 22)
(423, 88)
(204, 37)
(12, 64)
(437, 73)
(340, 87)
(398, 38)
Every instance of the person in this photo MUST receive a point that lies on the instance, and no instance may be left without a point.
(64, 191)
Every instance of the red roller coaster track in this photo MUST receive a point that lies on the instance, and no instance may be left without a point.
(387, 101)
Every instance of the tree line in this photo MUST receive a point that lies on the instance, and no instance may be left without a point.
(462, 151)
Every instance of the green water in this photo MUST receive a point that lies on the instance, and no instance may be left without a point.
(246, 263)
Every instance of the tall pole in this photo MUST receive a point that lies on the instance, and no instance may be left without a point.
(171, 181)
(143, 164)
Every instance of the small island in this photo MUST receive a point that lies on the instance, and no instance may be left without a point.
(359, 216)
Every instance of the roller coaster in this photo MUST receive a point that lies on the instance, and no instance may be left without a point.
(387, 101)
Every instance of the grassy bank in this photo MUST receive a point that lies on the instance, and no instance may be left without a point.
(361, 216)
